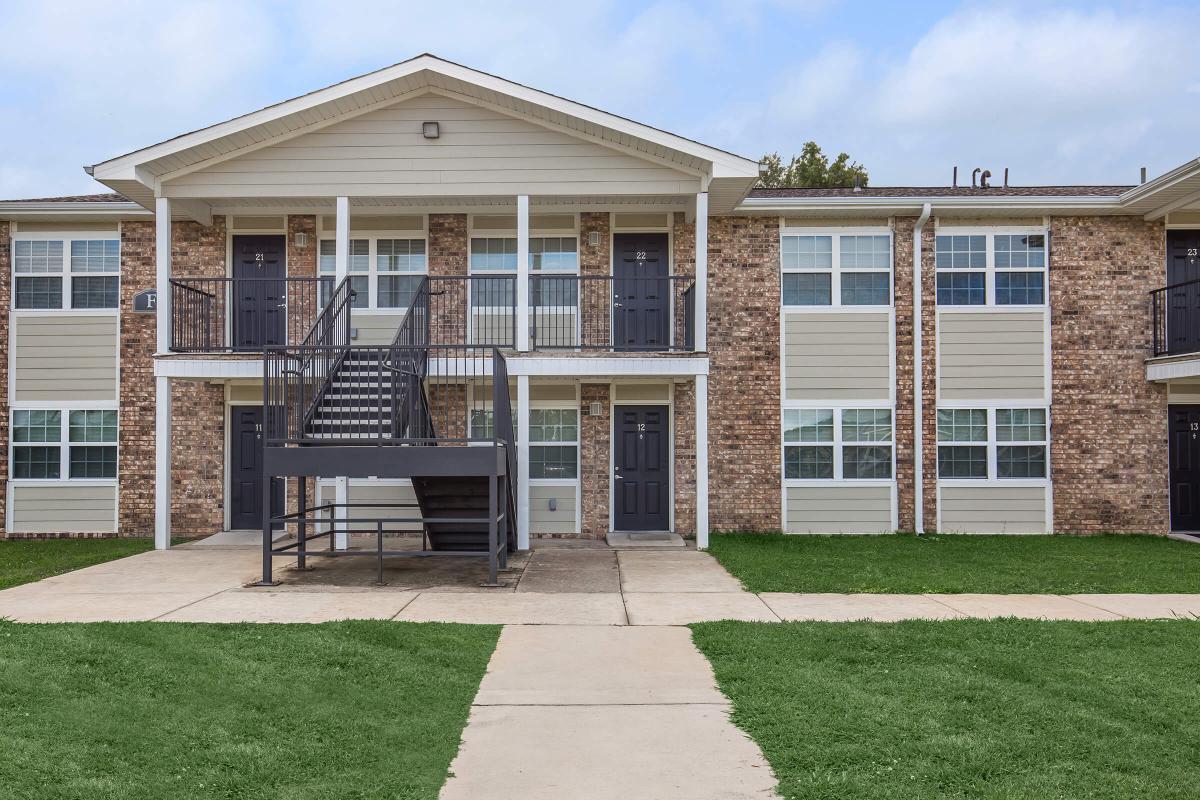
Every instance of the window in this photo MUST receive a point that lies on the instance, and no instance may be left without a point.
(837, 444)
(1000, 443)
(384, 272)
(554, 443)
(483, 424)
(836, 270)
(395, 262)
(88, 451)
(1002, 269)
(46, 278)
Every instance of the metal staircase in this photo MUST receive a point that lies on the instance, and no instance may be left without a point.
(337, 409)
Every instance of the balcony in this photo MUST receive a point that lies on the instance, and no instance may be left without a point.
(1175, 316)
(566, 313)
(243, 315)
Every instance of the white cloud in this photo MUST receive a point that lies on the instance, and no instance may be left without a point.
(1059, 95)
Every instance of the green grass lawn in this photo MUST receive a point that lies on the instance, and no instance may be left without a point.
(25, 560)
(154, 710)
(967, 708)
(949, 563)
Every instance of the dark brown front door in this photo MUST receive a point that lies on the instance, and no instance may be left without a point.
(1183, 297)
(259, 292)
(1185, 467)
(642, 477)
(641, 292)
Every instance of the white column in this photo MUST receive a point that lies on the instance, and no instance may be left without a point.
(341, 268)
(701, 271)
(522, 462)
(162, 386)
(162, 463)
(523, 272)
(701, 458)
(341, 241)
(341, 496)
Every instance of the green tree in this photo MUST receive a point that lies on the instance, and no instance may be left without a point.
(811, 169)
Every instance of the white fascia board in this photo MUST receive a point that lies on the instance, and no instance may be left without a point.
(608, 366)
(1164, 181)
(1167, 369)
(73, 212)
(247, 368)
(784, 205)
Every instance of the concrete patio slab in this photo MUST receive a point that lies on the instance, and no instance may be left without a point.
(621, 752)
(564, 570)
(1026, 606)
(684, 608)
(52, 606)
(517, 608)
(1145, 606)
(596, 665)
(673, 571)
(253, 606)
(626, 539)
(850, 607)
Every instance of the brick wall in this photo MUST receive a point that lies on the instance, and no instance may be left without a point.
(594, 470)
(684, 413)
(1108, 450)
(743, 341)
(303, 302)
(595, 296)
(448, 256)
(198, 409)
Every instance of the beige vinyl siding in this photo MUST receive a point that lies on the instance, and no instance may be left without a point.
(246, 393)
(1181, 392)
(63, 509)
(479, 151)
(65, 357)
(73, 227)
(837, 356)
(506, 223)
(988, 508)
(626, 220)
(375, 328)
(542, 519)
(990, 355)
(836, 222)
(373, 492)
(839, 509)
(1036, 223)
(642, 393)
(550, 392)
(413, 224)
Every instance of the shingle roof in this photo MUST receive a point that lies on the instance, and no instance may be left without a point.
(949, 191)
(108, 197)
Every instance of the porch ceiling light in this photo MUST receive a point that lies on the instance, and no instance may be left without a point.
(430, 130)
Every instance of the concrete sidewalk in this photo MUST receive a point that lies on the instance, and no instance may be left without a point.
(554, 586)
(603, 713)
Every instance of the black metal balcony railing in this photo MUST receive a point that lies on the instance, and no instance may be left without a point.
(222, 315)
(1175, 317)
(566, 312)
(587, 312)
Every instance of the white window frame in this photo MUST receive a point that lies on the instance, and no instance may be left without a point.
(992, 444)
(373, 272)
(66, 237)
(835, 270)
(990, 269)
(557, 405)
(64, 444)
(837, 444)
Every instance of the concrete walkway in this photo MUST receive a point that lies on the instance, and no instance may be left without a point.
(603, 713)
(553, 586)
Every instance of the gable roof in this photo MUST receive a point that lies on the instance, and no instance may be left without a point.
(138, 174)
(948, 191)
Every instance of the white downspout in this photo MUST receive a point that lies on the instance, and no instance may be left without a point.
(918, 410)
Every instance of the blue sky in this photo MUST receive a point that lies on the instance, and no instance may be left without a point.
(1057, 92)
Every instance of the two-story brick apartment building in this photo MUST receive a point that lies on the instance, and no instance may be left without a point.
(682, 351)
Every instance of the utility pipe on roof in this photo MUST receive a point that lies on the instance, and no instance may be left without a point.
(918, 411)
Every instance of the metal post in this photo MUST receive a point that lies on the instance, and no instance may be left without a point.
(268, 578)
(302, 529)
(379, 545)
(493, 531)
(502, 533)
